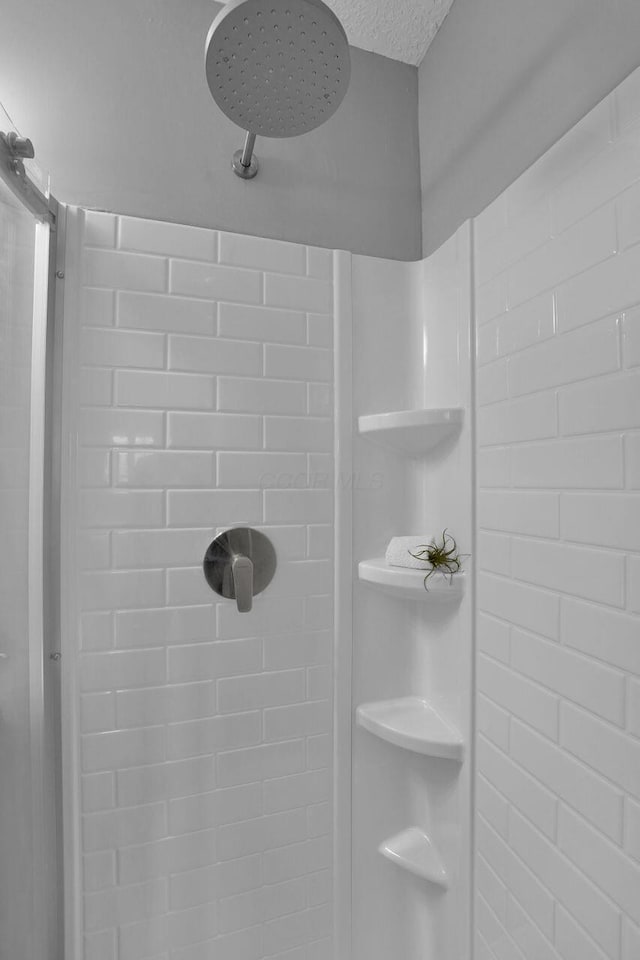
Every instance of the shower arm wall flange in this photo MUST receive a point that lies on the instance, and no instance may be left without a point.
(245, 163)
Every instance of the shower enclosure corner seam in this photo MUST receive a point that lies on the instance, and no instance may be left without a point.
(67, 306)
(343, 584)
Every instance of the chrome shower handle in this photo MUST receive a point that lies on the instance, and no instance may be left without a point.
(242, 574)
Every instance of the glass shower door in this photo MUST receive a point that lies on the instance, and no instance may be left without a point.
(26, 897)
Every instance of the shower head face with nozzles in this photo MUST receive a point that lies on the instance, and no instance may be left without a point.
(278, 68)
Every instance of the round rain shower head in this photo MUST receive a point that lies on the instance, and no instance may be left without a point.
(277, 68)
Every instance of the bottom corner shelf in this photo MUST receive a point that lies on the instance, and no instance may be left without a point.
(413, 724)
(414, 851)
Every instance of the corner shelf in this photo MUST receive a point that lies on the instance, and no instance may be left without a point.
(409, 583)
(412, 432)
(413, 724)
(414, 851)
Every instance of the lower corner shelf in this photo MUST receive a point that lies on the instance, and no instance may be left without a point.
(414, 851)
(413, 724)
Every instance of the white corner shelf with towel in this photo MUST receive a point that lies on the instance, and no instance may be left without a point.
(409, 583)
(412, 432)
(413, 724)
(414, 851)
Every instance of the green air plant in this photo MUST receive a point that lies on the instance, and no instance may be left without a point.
(442, 557)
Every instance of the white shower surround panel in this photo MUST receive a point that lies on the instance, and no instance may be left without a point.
(203, 400)
(194, 341)
(558, 681)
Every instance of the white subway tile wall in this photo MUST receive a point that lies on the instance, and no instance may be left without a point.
(205, 735)
(558, 709)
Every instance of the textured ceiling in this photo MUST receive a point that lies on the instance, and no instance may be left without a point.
(400, 29)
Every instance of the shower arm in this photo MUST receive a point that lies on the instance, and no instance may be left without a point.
(245, 163)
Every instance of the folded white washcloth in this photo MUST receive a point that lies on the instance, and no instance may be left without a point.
(399, 550)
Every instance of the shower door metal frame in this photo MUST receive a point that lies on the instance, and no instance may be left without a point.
(43, 633)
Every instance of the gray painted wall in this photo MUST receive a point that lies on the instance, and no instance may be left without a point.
(113, 95)
(502, 81)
